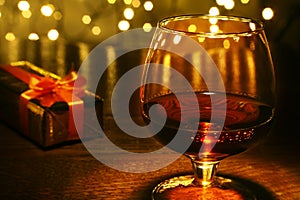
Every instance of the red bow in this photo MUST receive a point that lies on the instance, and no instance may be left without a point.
(49, 91)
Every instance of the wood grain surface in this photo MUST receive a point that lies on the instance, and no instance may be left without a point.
(71, 172)
(272, 168)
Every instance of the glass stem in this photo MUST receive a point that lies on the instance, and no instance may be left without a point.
(204, 172)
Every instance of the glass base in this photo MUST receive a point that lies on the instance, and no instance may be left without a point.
(183, 187)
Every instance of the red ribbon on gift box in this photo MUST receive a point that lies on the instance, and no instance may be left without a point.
(49, 91)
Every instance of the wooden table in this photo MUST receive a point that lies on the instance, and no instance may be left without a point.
(71, 172)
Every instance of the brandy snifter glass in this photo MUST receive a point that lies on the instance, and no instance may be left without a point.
(213, 79)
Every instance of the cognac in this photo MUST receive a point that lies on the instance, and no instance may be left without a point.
(244, 121)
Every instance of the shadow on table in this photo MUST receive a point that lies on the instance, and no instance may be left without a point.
(244, 188)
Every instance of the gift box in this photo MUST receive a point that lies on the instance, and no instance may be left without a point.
(39, 104)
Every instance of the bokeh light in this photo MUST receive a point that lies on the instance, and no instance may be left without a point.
(26, 14)
(127, 2)
(136, 3)
(267, 13)
(245, 1)
(57, 15)
(96, 30)
(86, 19)
(128, 13)
(147, 27)
(123, 25)
(229, 4)
(53, 34)
(226, 44)
(33, 36)
(23, 5)
(10, 36)
(214, 28)
(148, 5)
(111, 1)
(90, 17)
(192, 28)
(214, 11)
(47, 10)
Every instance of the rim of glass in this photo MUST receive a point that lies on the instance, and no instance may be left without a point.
(258, 28)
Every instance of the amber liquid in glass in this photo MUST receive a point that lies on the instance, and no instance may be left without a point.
(246, 121)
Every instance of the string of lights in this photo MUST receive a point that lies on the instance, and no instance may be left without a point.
(127, 11)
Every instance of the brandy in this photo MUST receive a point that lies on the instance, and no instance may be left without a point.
(244, 122)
